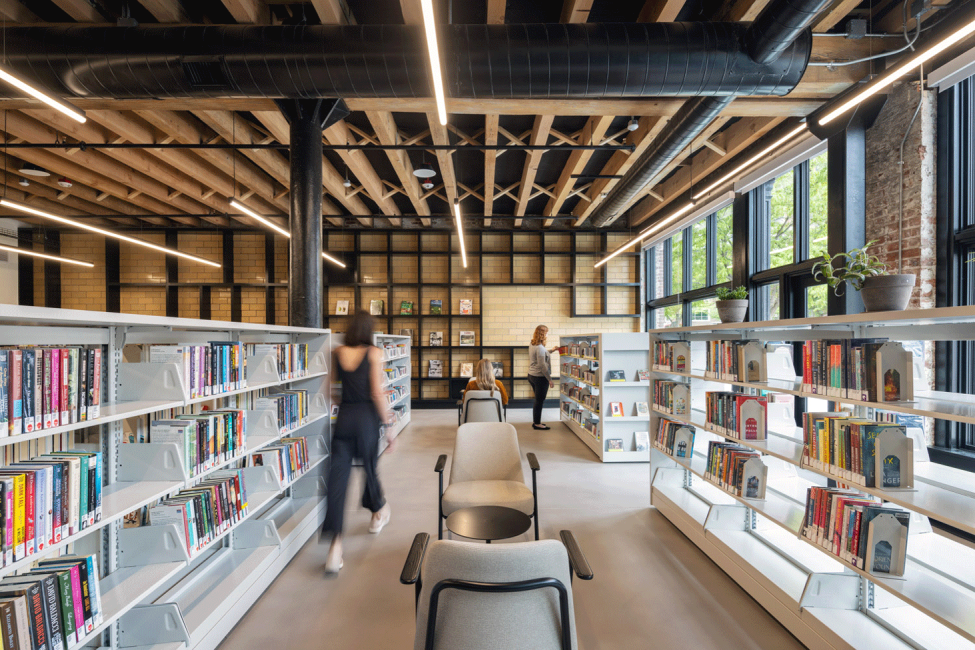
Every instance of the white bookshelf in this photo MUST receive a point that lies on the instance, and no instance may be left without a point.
(824, 602)
(144, 570)
(402, 360)
(628, 352)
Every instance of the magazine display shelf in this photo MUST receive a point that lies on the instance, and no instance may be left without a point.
(629, 353)
(141, 567)
(824, 601)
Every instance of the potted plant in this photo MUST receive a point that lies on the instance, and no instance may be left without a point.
(732, 304)
(879, 290)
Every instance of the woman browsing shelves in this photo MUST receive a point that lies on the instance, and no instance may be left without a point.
(484, 379)
(539, 373)
(359, 366)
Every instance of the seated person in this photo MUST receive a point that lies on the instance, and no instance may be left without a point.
(483, 379)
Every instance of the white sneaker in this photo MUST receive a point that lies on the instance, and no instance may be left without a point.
(376, 526)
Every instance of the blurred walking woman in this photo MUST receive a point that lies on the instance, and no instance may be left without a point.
(539, 373)
(359, 366)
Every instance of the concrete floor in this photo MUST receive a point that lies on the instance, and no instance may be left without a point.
(652, 587)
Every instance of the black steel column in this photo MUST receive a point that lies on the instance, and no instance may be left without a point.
(308, 118)
(846, 212)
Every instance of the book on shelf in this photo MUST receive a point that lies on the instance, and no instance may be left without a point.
(642, 409)
(466, 307)
(467, 338)
(858, 529)
(205, 511)
(672, 397)
(616, 375)
(643, 375)
(435, 368)
(406, 308)
(616, 409)
(467, 370)
(289, 457)
(498, 367)
(436, 339)
(847, 448)
(674, 357)
(614, 444)
(736, 469)
(674, 438)
(376, 307)
(641, 441)
(745, 361)
(341, 307)
(436, 307)
(292, 358)
(207, 370)
(867, 370)
(737, 415)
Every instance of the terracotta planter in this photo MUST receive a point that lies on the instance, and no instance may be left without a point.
(887, 292)
(732, 311)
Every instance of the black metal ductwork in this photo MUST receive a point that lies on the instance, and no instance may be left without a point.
(777, 29)
(506, 61)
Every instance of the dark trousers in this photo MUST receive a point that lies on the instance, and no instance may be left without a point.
(540, 388)
(356, 436)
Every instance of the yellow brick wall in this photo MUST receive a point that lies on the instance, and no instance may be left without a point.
(139, 264)
(83, 288)
(249, 259)
(252, 305)
(372, 269)
(149, 301)
(209, 246)
(189, 302)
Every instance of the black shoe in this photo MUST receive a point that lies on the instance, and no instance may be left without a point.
(542, 427)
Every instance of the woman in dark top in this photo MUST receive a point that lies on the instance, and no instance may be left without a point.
(359, 366)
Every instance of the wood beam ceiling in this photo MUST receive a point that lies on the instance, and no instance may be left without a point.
(166, 11)
(490, 161)
(359, 165)
(540, 131)
(15, 11)
(660, 11)
(576, 11)
(80, 10)
(495, 11)
(742, 10)
(333, 12)
(248, 11)
(385, 128)
(593, 131)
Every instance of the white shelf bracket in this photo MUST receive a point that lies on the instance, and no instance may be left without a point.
(309, 486)
(262, 424)
(261, 479)
(262, 370)
(151, 545)
(151, 381)
(727, 517)
(254, 533)
(150, 461)
(148, 625)
(831, 591)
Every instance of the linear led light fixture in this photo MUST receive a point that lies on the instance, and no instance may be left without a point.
(64, 107)
(270, 224)
(460, 232)
(253, 215)
(748, 163)
(899, 71)
(435, 72)
(55, 258)
(102, 231)
(646, 233)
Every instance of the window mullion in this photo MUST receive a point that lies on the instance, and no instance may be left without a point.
(801, 212)
(711, 252)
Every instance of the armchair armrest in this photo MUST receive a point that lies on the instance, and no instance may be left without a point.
(411, 569)
(577, 561)
(441, 463)
(533, 462)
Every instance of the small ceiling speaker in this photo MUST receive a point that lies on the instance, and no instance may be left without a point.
(65, 182)
(427, 184)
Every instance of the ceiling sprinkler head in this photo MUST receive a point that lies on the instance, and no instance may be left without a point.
(427, 184)
(633, 125)
(64, 182)
(24, 182)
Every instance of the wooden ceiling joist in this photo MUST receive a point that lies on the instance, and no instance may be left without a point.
(576, 11)
(593, 131)
(15, 11)
(248, 11)
(277, 125)
(359, 165)
(742, 10)
(495, 11)
(734, 140)
(387, 133)
(166, 11)
(490, 160)
(440, 137)
(539, 136)
(81, 11)
(660, 11)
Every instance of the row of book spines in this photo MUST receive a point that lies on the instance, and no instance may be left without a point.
(293, 458)
(203, 445)
(726, 465)
(840, 520)
(394, 393)
(56, 605)
(665, 437)
(842, 444)
(206, 510)
(47, 499)
(665, 355)
(664, 398)
(291, 407)
(843, 368)
(218, 367)
(292, 358)
(46, 387)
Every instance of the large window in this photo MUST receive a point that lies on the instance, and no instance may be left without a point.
(685, 270)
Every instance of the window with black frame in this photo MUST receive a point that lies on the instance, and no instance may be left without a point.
(956, 215)
(788, 230)
(685, 269)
